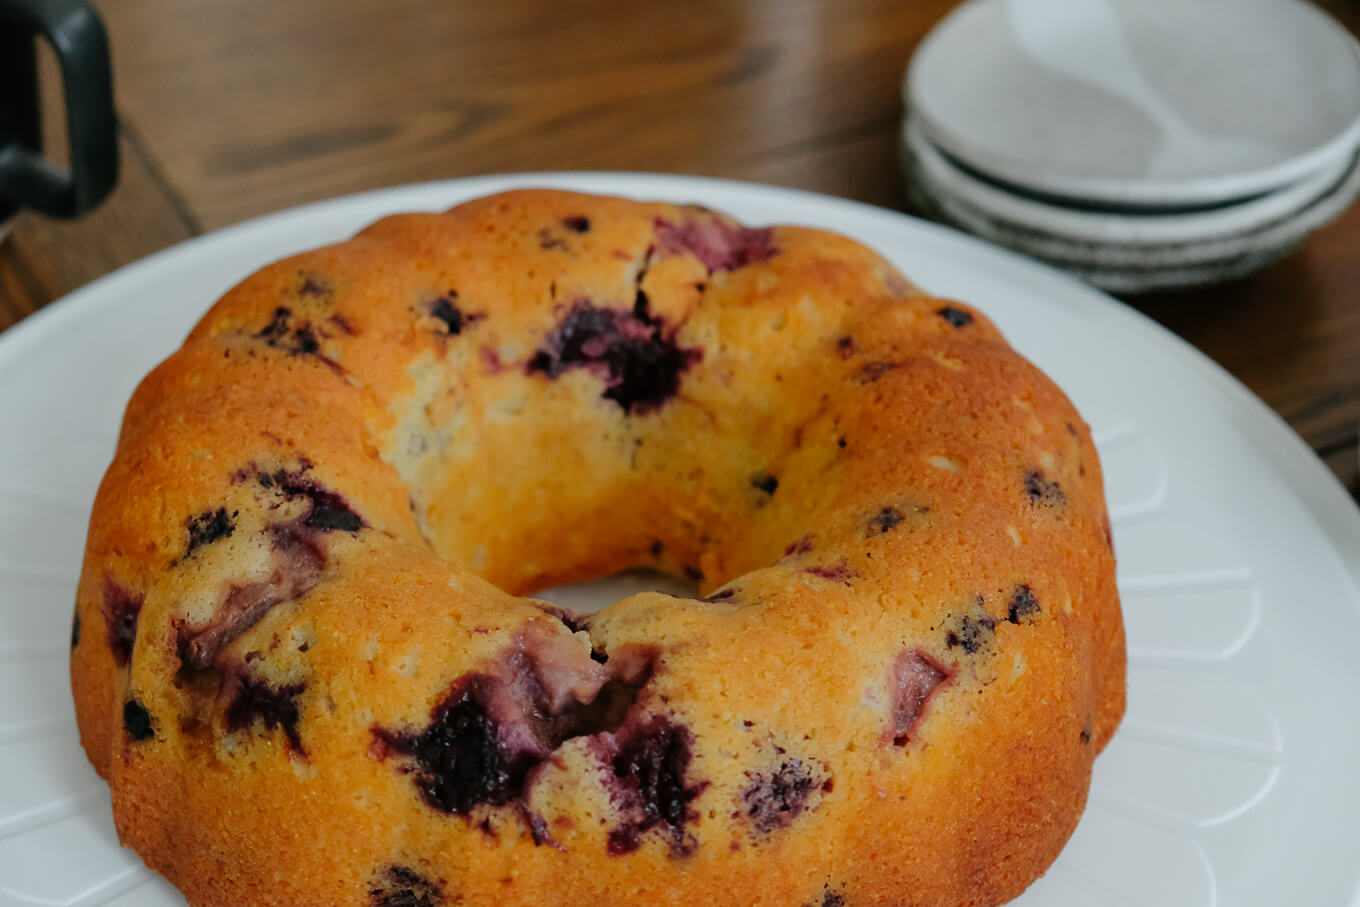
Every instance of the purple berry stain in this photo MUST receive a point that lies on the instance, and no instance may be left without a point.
(137, 721)
(799, 546)
(957, 318)
(839, 572)
(208, 527)
(538, 828)
(275, 333)
(298, 563)
(830, 898)
(400, 886)
(459, 759)
(971, 632)
(491, 728)
(912, 680)
(1043, 490)
(299, 559)
(719, 244)
(1023, 604)
(75, 630)
(647, 761)
(314, 285)
(776, 799)
(886, 519)
(121, 610)
(299, 340)
(765, 482)
(635, 354)
(445, 308)
(329, 511)
(872, 371)
(252, 700)
(577, 223)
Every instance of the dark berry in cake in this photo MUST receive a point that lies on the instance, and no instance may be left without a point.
(121, 610)
(830, 898)
(251, 699)
(1022, 604)
(459, 760)
(971, 632)
(885, 519)
(401, 886)
(314, 285)
(1043, 490)
(137, 721)
(956, 317)
(208, 527)
(330, 511)
(765, 482)
(647, 761)
(773, 800)
(446, 309)
(635, 354)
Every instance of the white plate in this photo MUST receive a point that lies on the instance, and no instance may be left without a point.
(1124, 228)
(1149, 102)
(1232, 780)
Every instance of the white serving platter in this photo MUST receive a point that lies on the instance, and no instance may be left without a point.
(1232, 780)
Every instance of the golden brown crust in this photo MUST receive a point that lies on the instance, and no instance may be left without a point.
(910, 654)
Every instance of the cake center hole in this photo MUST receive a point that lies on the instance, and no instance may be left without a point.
(595, 594)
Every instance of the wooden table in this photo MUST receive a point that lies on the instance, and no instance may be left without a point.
(233, 108)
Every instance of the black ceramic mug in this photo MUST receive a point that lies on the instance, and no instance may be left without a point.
(27, 179)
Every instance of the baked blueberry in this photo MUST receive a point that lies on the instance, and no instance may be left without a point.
(137, 721)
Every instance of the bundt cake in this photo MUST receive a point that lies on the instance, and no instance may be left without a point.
(302, 660)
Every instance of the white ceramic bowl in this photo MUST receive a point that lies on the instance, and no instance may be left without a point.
(1140, 102)
(1139, 268)
(1122, 227)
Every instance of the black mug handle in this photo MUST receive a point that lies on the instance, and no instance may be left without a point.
(77, 35)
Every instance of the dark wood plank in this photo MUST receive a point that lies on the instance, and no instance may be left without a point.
(1342, 462)
(342, 96)
(1291, 334)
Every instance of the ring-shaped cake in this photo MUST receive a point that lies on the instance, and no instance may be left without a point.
(301, 659)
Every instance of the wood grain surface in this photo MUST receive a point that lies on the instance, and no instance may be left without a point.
(234, 108)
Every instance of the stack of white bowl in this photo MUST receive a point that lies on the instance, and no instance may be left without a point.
(1140, 144)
